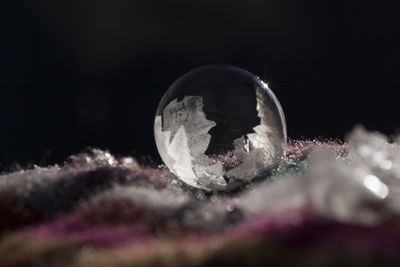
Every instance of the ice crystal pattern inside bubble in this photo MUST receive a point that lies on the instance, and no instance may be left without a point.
(219, 126)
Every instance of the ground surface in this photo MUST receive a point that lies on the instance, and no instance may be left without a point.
(321, 206)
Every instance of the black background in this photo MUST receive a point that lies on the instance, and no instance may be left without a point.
(90, 73)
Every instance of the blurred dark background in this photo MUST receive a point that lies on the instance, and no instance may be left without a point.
(90, 73)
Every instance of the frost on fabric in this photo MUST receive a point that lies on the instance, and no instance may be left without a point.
(54, 189)
(359, 186)
(322, 195)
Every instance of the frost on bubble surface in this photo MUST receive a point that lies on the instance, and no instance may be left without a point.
(185, 139)
(218, 127)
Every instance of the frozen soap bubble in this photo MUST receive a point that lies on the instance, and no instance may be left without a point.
(219, 126)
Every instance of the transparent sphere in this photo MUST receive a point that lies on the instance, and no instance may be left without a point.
(218, 126)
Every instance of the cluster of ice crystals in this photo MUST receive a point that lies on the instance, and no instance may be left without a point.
(94, 157)
(378, 161)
